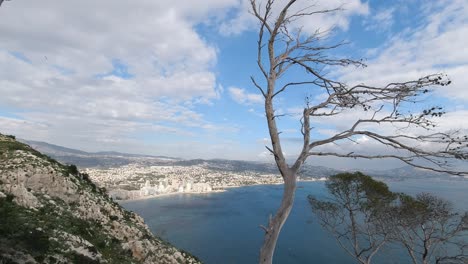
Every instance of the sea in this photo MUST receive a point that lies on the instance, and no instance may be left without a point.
(225, 228)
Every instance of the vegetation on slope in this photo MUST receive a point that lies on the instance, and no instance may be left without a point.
(52, 213)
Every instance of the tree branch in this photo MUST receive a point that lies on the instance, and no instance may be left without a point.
(408, 160)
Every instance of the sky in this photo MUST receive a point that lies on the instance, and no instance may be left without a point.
(173, 77)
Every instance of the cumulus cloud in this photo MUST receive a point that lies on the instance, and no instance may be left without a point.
(380, 21)
(114, 69)
(243, 20)
(438, 45)
(99, 74)
(242, 97)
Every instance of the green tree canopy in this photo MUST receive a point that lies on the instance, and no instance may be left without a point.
(364, 216)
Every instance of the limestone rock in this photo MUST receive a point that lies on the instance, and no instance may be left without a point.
(66, 218)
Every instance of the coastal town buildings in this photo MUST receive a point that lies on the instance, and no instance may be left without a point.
(135, 181)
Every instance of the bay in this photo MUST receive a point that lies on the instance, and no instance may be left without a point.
(224, 227)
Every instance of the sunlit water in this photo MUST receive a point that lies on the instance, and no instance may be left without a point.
(224, 227)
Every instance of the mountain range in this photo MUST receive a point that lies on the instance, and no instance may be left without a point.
(103, 159)
(107, 159)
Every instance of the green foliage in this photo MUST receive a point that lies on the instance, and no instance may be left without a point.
(430, 230)
(363, 215)
(322, 206)
(17, 231)
(30, 231)
(77, 258)
(72, 169)
(359, 189)
(355, 213)
(344, 182)
(42, 233)
(7, 146)
(85, 177)
(91, 231)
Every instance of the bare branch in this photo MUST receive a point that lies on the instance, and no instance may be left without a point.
(1, 2)
(264, 228)
(258, 86)
(291, 84)
(408, 160)
(282, 45)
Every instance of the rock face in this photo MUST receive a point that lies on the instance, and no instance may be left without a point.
(51, 213)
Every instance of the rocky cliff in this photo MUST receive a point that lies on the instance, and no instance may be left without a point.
(52, 213)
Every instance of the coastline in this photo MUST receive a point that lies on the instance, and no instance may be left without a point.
(224, 189)
(168, 194)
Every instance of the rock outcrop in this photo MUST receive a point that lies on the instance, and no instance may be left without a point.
(51, 213)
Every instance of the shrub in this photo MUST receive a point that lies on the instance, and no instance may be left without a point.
(10, 197)
(72, 169)
(85, 177)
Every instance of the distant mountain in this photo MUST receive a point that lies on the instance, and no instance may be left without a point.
(231, 165)
(59, 150)
(52, 149)
(407, 172)
(318, 171)
(93, 159)
(107, 159)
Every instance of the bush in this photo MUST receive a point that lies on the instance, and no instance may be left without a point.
(72, 169)
(10, 197)
(85, 177)
(36, 241)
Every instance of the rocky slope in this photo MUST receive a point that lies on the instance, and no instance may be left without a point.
(51, 213)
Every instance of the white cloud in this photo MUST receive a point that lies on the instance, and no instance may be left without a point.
(64, 90)
(242, 97)
(243, 20)
(155, 40)
(380, 21)
(438, 45)
(66, 67)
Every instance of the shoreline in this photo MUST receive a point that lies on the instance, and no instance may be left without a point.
(213, 191)
(167, 194)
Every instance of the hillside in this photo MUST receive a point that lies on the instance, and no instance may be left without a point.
(51, 213)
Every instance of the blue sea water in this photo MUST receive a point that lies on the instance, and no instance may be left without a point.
(224, 227)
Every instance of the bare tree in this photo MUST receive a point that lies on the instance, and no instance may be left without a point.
(283, 46)
(356, 214)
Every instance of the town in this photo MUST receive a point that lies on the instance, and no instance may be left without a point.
(136, 181)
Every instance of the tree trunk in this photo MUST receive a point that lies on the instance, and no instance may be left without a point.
(276, 223)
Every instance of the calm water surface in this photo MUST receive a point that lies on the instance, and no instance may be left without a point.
(224, 227)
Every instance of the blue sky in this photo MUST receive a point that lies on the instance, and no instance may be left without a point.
(173, 77)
